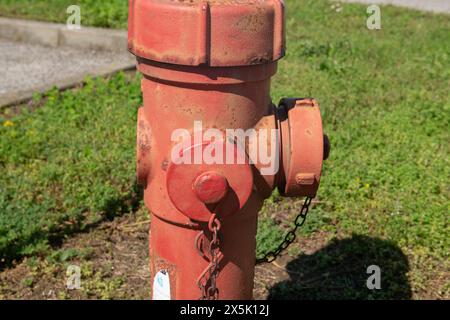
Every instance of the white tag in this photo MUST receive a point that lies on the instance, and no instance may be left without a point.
(161, 286)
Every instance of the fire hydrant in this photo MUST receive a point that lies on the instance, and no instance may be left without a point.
(211, 146)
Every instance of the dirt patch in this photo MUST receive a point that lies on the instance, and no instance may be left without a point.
(268, 275)
(114, 265)
(113, 259)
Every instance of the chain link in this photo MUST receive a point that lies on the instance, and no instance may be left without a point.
(207, 282)
(290, 236)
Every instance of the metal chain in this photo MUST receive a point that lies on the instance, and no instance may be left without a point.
(207, 282)
(290, 236)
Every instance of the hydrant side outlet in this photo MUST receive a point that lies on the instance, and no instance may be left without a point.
(207, 117)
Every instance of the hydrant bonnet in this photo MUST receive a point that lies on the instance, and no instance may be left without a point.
(213, 32)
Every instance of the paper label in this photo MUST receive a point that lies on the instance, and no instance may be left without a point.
(161, 286)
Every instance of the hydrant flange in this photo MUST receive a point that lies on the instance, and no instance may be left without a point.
(230, 185)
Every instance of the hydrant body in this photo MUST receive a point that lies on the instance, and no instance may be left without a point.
(207, 67)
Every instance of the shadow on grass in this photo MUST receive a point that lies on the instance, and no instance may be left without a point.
(55, 237)
(339, 271)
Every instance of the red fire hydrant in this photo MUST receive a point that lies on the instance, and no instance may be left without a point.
(211, 146)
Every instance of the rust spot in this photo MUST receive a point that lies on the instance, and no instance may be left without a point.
(144, 139)
(266, 58)
(164, 164)
(252, 22)
(305, 103)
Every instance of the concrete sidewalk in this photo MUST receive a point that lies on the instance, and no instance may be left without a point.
(29, 68)
(438, 6)
(37, 56)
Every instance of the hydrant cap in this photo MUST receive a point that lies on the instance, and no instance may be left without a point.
(199, 190)
(211, 187)
(217, 33)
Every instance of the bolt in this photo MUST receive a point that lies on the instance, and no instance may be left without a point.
(211, 187)
(305, 179)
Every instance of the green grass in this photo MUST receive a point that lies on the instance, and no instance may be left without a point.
(385, 101)
(67, 164)
(385, 97)
(110, 14)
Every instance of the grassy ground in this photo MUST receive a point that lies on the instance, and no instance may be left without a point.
(67, 164)
(112, 14)
(384, 199)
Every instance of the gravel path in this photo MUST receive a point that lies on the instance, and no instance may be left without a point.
(441, 6)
